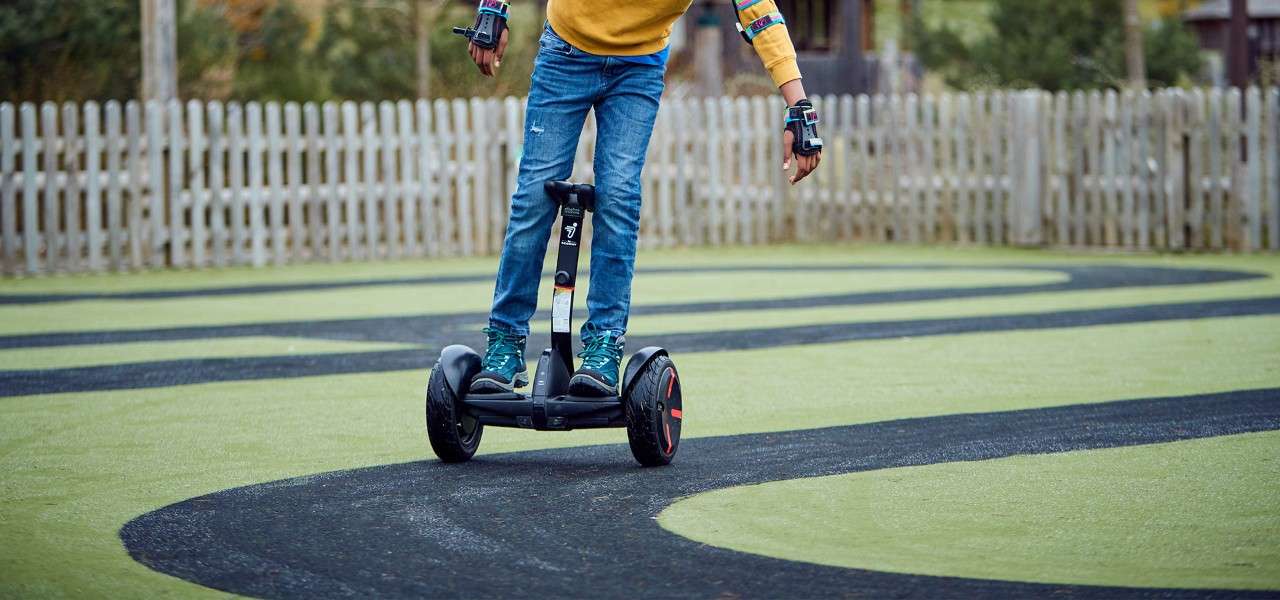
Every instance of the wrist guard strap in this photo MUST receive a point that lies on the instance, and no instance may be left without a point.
(802, 122)
(491, 21)
(750, 32)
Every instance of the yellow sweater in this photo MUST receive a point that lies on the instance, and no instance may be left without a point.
(639, 27)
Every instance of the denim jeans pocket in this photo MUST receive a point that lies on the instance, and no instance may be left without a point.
(552, 43)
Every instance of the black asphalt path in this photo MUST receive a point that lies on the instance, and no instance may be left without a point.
(580, 522)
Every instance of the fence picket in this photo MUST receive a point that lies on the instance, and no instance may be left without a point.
(1213, 134)
(258, 194)
(1233, 233)
(1195, 169)
(714, 186)
(684, 201)
(294, 191)
(137, 198)
(70, 183)
(447, 175)
(409, 188)
(53, 239)
(463, 158)
(428, 168)
(93, 185)
(30, 210)
(1003, 161)
(275, 182)
(315, 198)
(1253, 169)
(389, 191)
(479, 171)
(219, 198)
(198, 204)
(333, 207)
(350, 190)
(242, 204)
(114, 144)
(8, 189)
(1271, 150)
(172, 204)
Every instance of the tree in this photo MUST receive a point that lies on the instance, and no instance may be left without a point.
(273, 61)
(1054, 45)
(81, 50)
(69, 49)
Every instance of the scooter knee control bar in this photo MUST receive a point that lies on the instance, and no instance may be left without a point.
(491, 21)
(802, 122)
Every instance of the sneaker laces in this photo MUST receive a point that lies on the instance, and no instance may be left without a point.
(503, 348)
(600, 351)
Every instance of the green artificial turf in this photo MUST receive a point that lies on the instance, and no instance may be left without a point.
(61, 357)
(1195, 514)
(76, 467)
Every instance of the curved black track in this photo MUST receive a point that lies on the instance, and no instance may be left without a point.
(432, 332)
(579, 522)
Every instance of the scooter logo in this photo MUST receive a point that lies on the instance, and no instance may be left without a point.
(570, 229)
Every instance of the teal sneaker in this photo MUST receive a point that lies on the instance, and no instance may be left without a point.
(598, 375)
(503, 367)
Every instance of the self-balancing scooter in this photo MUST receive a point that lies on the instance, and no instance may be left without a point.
(649, 407)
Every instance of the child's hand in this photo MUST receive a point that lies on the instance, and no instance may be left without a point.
(488, 61)
(804, 164)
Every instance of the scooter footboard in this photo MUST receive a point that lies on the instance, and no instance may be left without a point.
(555, 414)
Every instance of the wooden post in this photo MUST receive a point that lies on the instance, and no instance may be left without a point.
(1238, 44)
(9, 191)
(159, 50)
(708, 55)
(418, 17)
(1134, 59)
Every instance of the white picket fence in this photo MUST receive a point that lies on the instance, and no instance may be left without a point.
(126, 186)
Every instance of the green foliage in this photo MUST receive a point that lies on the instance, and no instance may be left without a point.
(273, 63)
(206, 52)
(368, 52)
(1053, 45)
(69, 49)
(1172, 52)
(77, 50)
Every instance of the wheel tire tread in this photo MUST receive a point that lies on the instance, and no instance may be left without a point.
(642, 428)
(441, 418)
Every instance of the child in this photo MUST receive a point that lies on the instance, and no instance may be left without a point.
(609, 55)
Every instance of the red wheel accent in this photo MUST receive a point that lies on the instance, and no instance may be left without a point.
(667, 429)
(677, 413)
(671, 381)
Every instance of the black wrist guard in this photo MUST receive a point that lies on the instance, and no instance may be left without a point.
(802, 122)
(491, 21)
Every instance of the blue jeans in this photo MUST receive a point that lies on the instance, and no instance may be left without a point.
(567, 83)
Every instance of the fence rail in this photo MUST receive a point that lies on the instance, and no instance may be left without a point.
(127, 186)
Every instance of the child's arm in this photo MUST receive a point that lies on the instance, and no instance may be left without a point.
(764, 27)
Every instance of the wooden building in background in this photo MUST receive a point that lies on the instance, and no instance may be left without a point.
(1211, 21)
(832, 39)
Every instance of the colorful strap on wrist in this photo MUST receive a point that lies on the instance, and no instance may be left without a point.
(493, 7)
(752, 30)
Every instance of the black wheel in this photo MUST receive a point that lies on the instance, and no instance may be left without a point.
(454, 434)
(654, 413)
